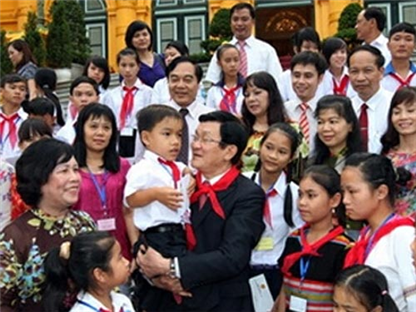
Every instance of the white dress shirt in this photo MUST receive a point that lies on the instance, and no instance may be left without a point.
(377, 112)
(381, 43)
(195, 109)
(261, 56)
(392, 84)
(393, 257)
(88, 303)
(7, 151)
(294, 112)
(142, 98)
(328, 83)
(149, 173)
(284, 83)
(67, 133)
(263, 254)
(161, 95)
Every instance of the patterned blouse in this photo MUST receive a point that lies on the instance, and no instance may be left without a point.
(24, 245)
(406, 195)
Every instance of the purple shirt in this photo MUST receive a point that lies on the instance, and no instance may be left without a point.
(149, 75)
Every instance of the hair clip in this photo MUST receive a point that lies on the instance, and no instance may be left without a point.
(384, 292)
(64, 250)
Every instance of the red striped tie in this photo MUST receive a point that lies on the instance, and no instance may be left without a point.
(303, 121)
(363, 122)
(243, 58)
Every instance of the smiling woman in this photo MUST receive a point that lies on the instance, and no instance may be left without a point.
(48, 181)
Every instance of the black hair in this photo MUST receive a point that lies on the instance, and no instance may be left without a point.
(132, 29)
(128, 52)
(242, 6)
(377, 170)
(374, 51)
(402, 27)
(368, 285)
(87, 252)
(332, 45)
(111, 160)
(33, 168)
(83, 79)
(33, 127)
(391, 138)
(150, 116)
(329, 179)
(276, 111)
(310, 58)
(232, 131)
(378, 15)
(11, 78)
(294, 138)
(102, 63)
(40, 107)
(306, 34)
(179, 46)
(46, 80)
(343, 107)
(22, 46)
(184, 59)
(224, 47)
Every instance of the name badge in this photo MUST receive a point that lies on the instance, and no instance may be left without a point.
(297, 304)
(126, 132)
(106, 224)
(265, 243)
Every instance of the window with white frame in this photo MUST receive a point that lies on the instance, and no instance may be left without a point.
(193, 1)
(96, 34)
(166, 32)
(386, 8)
(94, 6)
(407, 12)
(194, 32)
(166, 2)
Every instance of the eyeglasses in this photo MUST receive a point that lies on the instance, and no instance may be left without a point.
(204, 140)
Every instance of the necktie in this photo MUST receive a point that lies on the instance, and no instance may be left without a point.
(267, 214)
(309, 249)
(210, 190)
(303, 121)
(184, 152)
(12, 133)
(176, 174)
(363, 121)
(228, 102)
(403, 83)
(127, 106)
(341, 88)
(243, 58)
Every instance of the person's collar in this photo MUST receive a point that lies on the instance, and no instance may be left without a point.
(138, 84)
(249, 41)
(380, 40)
(375, 100)
(215, 179)
(279, 185)
(390, 69)
(191, 107)
(312, 102)
(151, 155)
(240, 81)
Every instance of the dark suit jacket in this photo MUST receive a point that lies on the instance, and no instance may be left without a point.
(216, 272)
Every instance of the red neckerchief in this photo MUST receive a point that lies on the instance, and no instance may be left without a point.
(176, 174)
(211, 190)
(309, 250)
(267, 214)
(341, 89)
(356, 255)
(11, 121)
(403, 83)
(127, 105)
(229, 101)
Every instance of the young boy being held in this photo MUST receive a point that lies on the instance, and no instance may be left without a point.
(13, 91)
(155, 190)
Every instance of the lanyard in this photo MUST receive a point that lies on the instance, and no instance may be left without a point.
(304, 268)
(100, 189)
(370, 241)
(89, 306)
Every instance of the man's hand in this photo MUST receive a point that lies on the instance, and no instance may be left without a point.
(151, 262)
(171, 284)
(170, 197)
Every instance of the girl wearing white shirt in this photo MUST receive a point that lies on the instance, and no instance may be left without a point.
(336, 79)
(227, 94)
(126, 100)
(281, 216)
(92, 265)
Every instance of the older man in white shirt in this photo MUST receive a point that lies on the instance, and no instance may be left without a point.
(255, 55)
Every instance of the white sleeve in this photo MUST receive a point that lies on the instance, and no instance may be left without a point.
(211, 98)
(136, 179)
(274, 67)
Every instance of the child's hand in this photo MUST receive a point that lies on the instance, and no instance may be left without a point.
(191, 187)
(170, 197)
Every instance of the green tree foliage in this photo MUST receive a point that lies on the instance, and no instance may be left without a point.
(6, 65)
(34, 39)
(219, 31)
(58, 42)
(74, 15)
(346, 24)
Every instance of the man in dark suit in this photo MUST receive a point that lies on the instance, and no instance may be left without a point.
(226, 224)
